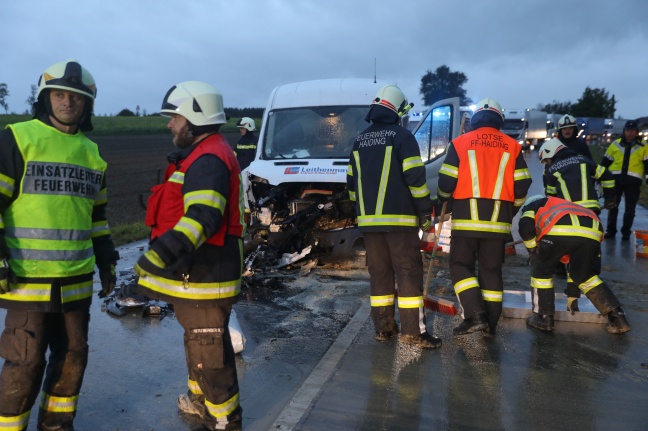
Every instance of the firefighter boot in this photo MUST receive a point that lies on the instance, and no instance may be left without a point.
(606, 303)
(191, 405)
(543, 322)
(386, 334)
(472, 324)
(617, 323)
(43, 427)
(424, 340)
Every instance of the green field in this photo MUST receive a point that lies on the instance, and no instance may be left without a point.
(126, 125)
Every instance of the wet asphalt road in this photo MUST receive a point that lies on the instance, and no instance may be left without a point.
(311, 363)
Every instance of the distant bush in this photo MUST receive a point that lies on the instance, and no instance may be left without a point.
(126, 113)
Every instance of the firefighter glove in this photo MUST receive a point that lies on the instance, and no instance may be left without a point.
(149, 262)
(572, 305)
(425, 223)
(4, 276)
(609, 203)
(108, 279)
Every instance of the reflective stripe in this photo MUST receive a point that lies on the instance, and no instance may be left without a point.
(465, 284)
(222, 410)
(15, 423)
(7, 185)
(392, 220)
(192, 230)
(481, 225)
(500, 175)
(50, 255)
(352, 195)
(54, 404)
(48, 234)
(356, 157)
(449, 170)
(590, 284)
(207, 290)
(474, 172)
(177, 177)
(542, 283)
(246, 147)
(492, 295)
(410, 301)
(75, 292)
(194, 387)
(563, 187)
(100, 228)
(419, 192)
(384, 179)
(349, 170)
(497, 207)
(412, 162)
(474, 209)
(28, 292)
(102, 197)
(521, 174)
(210, 198)
(530, 243)
(581, 231)
(381, 300)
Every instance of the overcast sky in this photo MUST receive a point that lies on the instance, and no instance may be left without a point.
(520, 53)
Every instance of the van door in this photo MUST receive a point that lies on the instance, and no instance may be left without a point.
(440, 124)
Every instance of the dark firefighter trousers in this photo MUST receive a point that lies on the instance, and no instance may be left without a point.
(481, 294)
(584, 268)
(24, 343)
(631, 193)
(211, 362)
(395, 258)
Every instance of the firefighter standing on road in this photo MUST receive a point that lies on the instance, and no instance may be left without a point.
(568, 135)
(386, 180)
(53, 231)
(195, 257)
(485, 175)
(551, 228)
(627, 158)
(247, 145)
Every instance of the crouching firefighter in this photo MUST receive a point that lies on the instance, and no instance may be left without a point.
(552, 228)
(53, 231)
(195, 259)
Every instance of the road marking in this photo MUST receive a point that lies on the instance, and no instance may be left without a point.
(293, 412)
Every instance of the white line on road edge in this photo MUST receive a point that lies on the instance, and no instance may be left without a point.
(293, 412)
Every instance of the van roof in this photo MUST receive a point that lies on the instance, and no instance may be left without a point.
(325, 92)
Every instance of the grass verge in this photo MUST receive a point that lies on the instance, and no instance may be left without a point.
(127, 233)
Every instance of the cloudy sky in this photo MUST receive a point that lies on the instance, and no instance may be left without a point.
(520, 53)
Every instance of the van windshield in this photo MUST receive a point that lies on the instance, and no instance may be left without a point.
(321, 132)
(513, 124)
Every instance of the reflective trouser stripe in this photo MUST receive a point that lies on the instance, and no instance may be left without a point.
(492, 295)
(542, 294)
(54, 404)
(465, 284)
(382, 300)
(590, 284)
(222, 410)
(410, 302)
(194, 387)
(15, 423)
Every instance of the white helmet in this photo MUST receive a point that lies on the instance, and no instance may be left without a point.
(70, 76)
(549, 149)
(567, 121)
(200, 103)
(246, 123)
(489, 104)
(392, 97)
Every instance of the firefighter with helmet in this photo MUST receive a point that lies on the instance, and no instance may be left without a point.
(247, 145)
(53, 232)
(194, 259)
(486, 177)
(627, 158)
(386, 180)
(573, 177)
(551, 228)
(568, 135)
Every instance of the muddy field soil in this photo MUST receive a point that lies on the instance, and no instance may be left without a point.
(135, 164)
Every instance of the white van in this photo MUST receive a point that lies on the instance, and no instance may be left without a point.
(296, 186)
